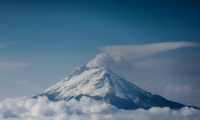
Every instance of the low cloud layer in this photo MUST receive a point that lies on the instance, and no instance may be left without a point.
(86, 108)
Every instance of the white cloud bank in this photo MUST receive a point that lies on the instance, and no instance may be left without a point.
(85, 109)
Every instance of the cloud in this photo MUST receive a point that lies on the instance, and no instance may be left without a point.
(22, 83)
(12, 65)
(132, 52)
(108, 61)
(5, 45)
(129, 56)
(87, 108)
(138, 64)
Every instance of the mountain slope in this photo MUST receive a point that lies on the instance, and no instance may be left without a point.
(101, 83)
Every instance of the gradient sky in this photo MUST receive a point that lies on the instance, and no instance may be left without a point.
(42, 41)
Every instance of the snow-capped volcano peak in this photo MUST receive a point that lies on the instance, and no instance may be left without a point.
(101, 83)
(96, 81)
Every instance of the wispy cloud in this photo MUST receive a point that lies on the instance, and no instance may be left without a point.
(22, 83)
(12, 65)
(131, 52)
(3, 45)
(136, 55)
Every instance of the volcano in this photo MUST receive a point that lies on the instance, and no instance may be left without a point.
(100, 83)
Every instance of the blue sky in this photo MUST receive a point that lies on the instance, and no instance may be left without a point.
(42, 41)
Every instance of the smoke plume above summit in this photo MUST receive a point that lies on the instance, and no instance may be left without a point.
(163, 64)
(132, 52)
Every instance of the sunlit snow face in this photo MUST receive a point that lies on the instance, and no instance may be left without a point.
(43, 109)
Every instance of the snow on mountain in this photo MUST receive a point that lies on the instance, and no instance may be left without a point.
(92, 82)
(101, 83)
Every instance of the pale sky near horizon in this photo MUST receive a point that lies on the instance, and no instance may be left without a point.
(43, 41)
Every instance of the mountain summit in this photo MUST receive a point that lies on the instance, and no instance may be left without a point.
(101, 83)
